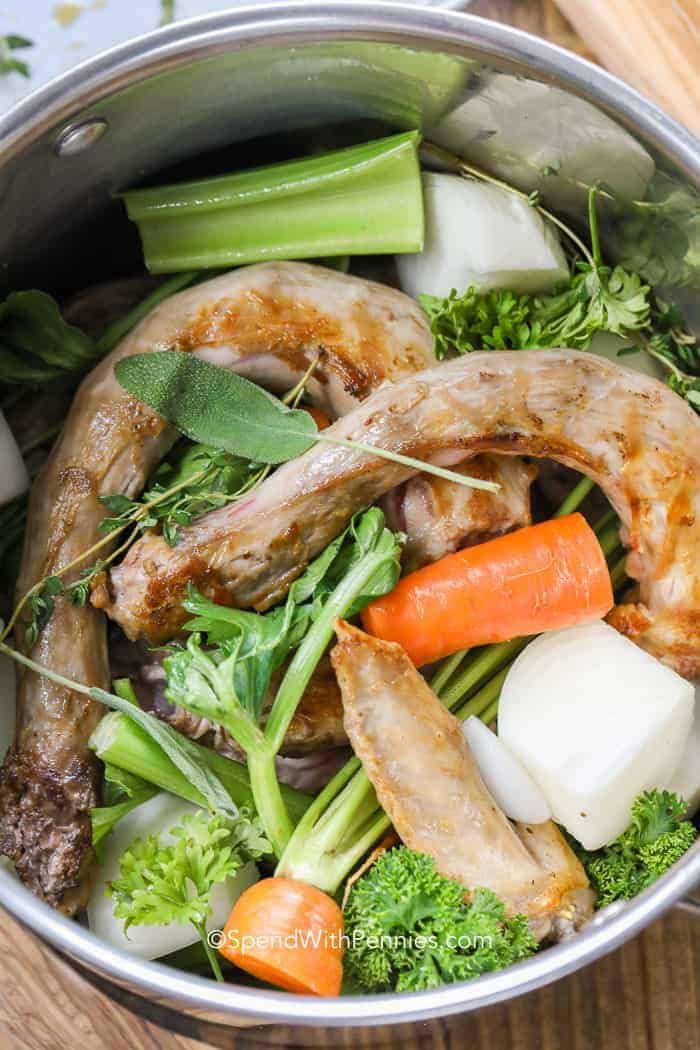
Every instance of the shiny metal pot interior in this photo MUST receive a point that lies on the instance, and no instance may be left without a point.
(528, 110)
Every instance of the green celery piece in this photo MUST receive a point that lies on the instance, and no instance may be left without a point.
(362, 200)
(123, 743)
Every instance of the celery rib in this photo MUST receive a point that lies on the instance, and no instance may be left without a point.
(358, 201)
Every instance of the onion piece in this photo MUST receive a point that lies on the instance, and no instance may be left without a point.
(595, 720)
(511, 786)
(686, 777)
(483, 235)
(155, 817)
(14, 479)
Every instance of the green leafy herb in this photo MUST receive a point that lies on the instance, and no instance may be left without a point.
(596, 299)
(162, 883)
(250, 648)
(8, 63)
(42, 599)
(36, 344)
(409, 928)
(227, 683)
(216, 407)
(657, 837)
(195, 480)
(41, 607)
(122, 792)
(659, 237)
(678, 351)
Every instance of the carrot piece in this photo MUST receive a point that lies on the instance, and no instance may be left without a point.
(537, 579)
(318, 415)
(287, 933)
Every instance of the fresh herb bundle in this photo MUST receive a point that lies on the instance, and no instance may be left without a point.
(596, 299)
(677, 350)
(227, 681)
(195, 480)
(36, 344)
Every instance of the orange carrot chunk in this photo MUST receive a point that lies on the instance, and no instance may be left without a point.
(289, 934)
(537, 579)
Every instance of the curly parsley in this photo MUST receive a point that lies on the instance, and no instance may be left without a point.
(172, 882)
(657, 837)
(409, 928)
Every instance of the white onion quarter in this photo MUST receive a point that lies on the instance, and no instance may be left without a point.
(595, 720)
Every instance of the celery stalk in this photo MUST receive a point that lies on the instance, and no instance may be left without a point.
(121, 742)
(363, 200)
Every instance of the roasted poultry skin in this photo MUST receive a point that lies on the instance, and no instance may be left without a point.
(268, 320)
(433, 513)
(637, 439)
(414, 752)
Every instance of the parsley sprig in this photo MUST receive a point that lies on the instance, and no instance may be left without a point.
(163, 882)
(597, 298)
(657, 836)
(678, 351)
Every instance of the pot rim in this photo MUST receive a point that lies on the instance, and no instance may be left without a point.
(432, 29)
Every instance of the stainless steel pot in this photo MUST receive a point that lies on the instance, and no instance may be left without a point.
(472, 84)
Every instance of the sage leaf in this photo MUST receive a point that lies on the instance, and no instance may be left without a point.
(216, 407)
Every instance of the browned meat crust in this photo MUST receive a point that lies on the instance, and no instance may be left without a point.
(46, 828)
(440, 517)
(110, 444)
(631, 434)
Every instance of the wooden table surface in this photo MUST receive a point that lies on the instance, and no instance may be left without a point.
(642, 997)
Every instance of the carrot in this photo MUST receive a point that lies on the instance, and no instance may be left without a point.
(318, 415)
(537, 579)
(287, 933)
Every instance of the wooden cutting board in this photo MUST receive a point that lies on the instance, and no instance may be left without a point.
(652, 44)
(644, 996)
